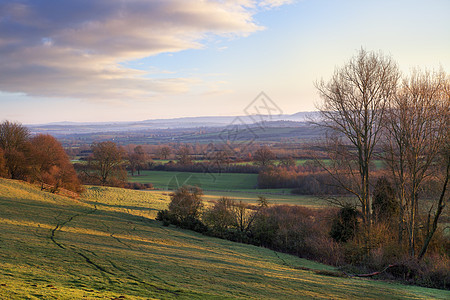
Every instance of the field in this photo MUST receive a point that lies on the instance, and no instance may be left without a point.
(207, 181)
(236, 186)
(106, 245)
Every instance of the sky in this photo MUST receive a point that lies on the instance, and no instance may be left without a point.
(132, 60)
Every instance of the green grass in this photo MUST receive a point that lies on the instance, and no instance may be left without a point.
(251, 196)
(207, 181)
(106, 244)
(240, 187)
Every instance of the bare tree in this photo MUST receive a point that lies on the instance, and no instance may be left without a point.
(353, 110)
(443, 198)
(264, 156)
(184, 155)
(106, 162)
(416, 131)
(137, 159)
(164, 151)
(245, 215)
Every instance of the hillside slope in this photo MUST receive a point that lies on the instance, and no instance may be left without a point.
(107, 245)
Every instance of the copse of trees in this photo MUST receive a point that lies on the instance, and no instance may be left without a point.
(367, 107)
(416, 134)
(303, 180)
(354, 110)
(291, 229)
(39, 159)
(327, 235)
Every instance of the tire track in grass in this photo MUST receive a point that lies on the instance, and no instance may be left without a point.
(143, 282)
(111, 234)
(60, 225)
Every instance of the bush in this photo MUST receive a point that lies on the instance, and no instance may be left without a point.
(433, 272)
(166, 217)
(345, 225)
(385, 206)
(221, 216)
(186, 202)
(184, 209)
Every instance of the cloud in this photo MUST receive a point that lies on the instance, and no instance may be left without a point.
(274, 3)
(74, 48)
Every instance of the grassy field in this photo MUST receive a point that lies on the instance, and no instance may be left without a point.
(106, 245)
(231, 185)
(207, 181)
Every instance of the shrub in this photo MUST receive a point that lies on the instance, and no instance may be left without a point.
(166, 217)
(385, 207)
(221, 216)
(433, 272)
(184, 209)
(186, 202)
(345, 225)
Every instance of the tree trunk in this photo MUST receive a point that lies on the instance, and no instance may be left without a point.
(440, 208)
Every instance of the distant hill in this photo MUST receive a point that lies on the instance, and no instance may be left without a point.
(66, 128)
(264, 128)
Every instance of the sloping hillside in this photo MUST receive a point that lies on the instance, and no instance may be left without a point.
(107, 245)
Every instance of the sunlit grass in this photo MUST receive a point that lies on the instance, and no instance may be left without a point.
(207, 181)
(107, 244)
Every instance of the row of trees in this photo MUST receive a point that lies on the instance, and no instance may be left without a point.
(368, 106)
(39, 159)
(42, 159)
(303, 180)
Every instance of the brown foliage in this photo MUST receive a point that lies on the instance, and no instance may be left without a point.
(3, 170)
(106, 164)
(184, 155)
(186, 202)
(15, 144)
(49, 164)
(264, 156)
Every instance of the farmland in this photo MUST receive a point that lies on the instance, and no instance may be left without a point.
(106, 244)
(240, 187)
(207, 181)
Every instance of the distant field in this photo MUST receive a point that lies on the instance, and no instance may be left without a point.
(252, 197)
(208, 181)
(378, 163)
(106, 245)
(235, 186)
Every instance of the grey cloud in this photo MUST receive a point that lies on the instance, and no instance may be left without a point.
(73, 48)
